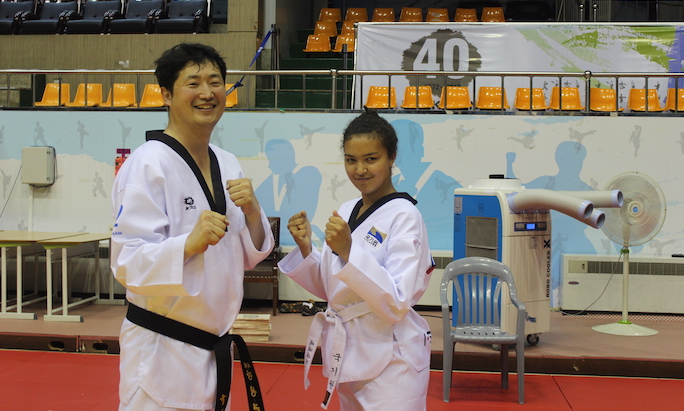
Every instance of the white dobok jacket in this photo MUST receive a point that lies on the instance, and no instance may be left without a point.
(157, 199)
(389, 269)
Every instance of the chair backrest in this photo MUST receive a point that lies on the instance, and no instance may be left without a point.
(423, 97)
(383, 14)
(87, 96)
(602, 99)
(96, 9)
(218, 10)
(489, 98)
(356, 14)
(232, 98)
(492, 14)
(347, 28)
(317, 44)
(141, 8)
(477, 291)
(523, 96)
(411, 14)
(570, 99)
(381, 97)
(437, 15)
(51, 11)
(152, 96)
(186, 8)
(51, 95)
(330, 14)
(275, 228)
(455, 97)
(347, 39)
(465, 15)
(637, 100)
(672, 103)
(9, 9)
(121, 95)
(325, 28)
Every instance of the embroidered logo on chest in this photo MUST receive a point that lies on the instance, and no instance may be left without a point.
(189, 203)
(375, 237)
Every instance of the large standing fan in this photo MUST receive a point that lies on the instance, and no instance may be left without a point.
(635, 223)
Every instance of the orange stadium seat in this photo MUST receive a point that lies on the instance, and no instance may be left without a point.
(437, 15)
(603, 99)
(489, 98)
(232, 98)
(317, 44)
(380, 97)
(325, 28)
(356, 14)
(152, 96)
(465, 15)
(121, 95)
(493, 14)
(424, 97)
(523, 97)
(330, 14)
(52, 97)
(411, 14)
(381, 14)
(347, 39)
(455, 97)
(570, 98)
(637, 100)
(672, 103)
(93, 93)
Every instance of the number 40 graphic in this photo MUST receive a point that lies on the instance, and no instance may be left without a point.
(427, 58)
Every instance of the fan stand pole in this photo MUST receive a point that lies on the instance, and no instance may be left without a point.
(624, 326)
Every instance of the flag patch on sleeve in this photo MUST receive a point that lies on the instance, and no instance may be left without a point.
(375, 237)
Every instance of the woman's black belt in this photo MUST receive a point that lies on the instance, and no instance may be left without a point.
(202, 339)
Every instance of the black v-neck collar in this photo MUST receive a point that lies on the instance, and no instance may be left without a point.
(217, 204)
(355, 220)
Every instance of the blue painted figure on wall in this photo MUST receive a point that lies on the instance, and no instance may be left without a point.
(290, 188)
(433, 189)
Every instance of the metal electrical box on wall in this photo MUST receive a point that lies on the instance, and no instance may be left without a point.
(38, 165)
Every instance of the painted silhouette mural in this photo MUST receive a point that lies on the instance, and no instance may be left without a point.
(289, 189)
(433, 189)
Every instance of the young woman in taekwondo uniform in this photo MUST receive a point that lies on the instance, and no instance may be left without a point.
(373, 268)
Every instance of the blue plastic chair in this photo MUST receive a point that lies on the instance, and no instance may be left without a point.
(477, 314)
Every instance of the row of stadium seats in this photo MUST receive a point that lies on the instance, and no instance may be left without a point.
(109, 16)
(516, 10)
(120, 95)
(491, 98)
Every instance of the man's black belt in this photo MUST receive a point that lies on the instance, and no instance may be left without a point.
(208, 341)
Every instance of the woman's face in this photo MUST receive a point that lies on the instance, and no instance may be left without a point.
(368, 166)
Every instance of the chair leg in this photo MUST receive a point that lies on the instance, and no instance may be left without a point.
(520, 354)
(504, 366)
(446, 369)
(275, 297)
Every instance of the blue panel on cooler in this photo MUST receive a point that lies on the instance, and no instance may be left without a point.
(467, 206)
(473, 205)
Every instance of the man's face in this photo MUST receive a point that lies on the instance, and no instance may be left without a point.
(199, 96)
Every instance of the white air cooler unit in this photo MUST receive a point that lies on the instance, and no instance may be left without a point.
(498, 218)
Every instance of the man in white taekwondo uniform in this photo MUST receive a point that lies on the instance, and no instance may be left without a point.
(180, 247)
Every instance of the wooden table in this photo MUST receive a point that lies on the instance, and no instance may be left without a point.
(18, 240)
(72, 246)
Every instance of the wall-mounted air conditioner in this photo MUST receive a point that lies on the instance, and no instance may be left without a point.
(656, 284)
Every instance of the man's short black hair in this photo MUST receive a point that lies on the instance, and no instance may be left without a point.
(174, 60)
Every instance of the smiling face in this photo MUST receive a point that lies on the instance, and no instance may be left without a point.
(198, 98)
(368, 167)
